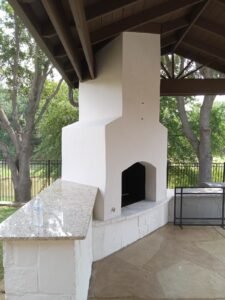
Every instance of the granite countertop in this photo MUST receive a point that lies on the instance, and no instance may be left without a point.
(66, 211)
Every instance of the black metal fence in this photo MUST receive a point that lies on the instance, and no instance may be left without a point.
(43, 173)
(186, 174)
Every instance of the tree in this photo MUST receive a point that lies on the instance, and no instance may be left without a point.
(201, 142)
(179, 149)
(59, 114)
(24, 70)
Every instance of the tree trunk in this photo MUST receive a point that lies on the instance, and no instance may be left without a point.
(22, 189)
(201, 146)
(22, 182)
(205, 160)
(204, 154)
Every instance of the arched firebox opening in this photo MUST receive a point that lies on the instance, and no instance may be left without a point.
(133, 184)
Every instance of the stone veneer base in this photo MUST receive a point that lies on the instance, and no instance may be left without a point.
(48, 270)
(137, 220)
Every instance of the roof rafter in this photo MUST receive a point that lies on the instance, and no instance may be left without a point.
(192, 72)
(165, 28)
(168, 41)
(222, 2)
(212, 27)
(77, 8)
(197, 13)
(201, 58)
(165, 70)
(174, 25)
(103, 7)
(166, 50)
(63, 32)
(135, 21)
(151, 27)
(205, 48)
(184, 69)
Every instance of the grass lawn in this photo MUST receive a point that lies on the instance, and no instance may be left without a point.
(5, 212)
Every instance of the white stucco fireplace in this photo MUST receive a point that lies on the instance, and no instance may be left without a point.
(118, 128)
(115, 157)
(119, 124)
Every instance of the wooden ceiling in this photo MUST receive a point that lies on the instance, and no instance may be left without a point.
(72, 31)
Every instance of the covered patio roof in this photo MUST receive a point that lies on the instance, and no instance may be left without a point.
(71, 32)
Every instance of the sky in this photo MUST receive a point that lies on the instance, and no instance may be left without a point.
(219, 98)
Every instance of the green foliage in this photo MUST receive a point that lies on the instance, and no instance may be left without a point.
(8, 50)
(179, 149)
(186, 174)
(59, 114)
(4, 99)
(18, 56)
(218, 130)
(182, 175)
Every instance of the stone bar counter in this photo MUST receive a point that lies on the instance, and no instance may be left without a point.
(47, 244)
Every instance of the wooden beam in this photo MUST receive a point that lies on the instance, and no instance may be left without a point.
(168, 41)
(135, 21)
(148, 28)
(165, 70)
(166, 50)
(77, 8)
(192, 71)
(63, 31)
(222, 2)
(198, 12)
(211, 27)
(201, 58)
(165, 28)
(171, 26)
(28, 1)
(48, 32)
(59, 52)
(104, 7)
(173, 65)
(191, 87)
(184, 69)
(205, 48)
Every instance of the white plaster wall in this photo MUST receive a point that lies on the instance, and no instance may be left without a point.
(101, 98)
(83, 156)
(83, 265)
(137, 136)
(83, 143)
(48, 270)
(119, 123)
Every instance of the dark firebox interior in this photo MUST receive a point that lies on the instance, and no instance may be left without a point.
(133, 184)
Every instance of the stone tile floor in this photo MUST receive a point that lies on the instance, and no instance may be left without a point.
(171, 263)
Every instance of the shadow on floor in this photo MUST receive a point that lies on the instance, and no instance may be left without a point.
(170, 263)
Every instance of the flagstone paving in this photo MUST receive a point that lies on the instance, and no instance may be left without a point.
(171, 263)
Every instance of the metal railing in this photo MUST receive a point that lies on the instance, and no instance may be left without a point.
(214, 217)
(43, 173)
(186, 174)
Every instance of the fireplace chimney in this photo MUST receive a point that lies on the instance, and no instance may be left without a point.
(119, 124)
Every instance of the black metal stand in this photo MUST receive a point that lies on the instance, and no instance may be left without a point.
(179, 193)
